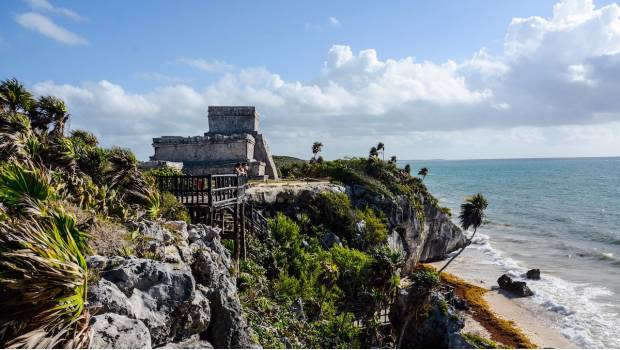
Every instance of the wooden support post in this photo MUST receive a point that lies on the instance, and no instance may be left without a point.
(243, 246)
(222, 223)
(236, 232)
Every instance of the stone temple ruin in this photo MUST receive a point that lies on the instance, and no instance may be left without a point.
(233, 137)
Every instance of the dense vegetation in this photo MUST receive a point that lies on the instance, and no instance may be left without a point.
(54, 190)
(299, 290)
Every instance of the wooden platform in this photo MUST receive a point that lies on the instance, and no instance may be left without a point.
(217, 200)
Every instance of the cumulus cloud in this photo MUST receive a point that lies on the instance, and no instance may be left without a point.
(44, 5)
(552, 90)
(47, 27)
(213, 66)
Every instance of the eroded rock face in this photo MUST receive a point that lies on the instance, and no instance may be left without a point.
(189, 302)
(426, 319)
(114, 331)
(428, 240)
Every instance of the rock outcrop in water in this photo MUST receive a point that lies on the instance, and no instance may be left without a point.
(516, 287)
(189, 299)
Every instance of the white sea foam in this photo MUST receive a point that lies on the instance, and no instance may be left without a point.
(580, 316)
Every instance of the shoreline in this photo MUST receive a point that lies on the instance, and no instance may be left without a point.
(498, 317)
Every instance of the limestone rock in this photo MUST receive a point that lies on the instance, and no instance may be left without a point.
(159, 294)
(106, 297)
(517, 287)
(190, 300)
(227, 328)
(113, 331)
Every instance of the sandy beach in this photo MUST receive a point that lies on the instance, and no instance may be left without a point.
(537, 330)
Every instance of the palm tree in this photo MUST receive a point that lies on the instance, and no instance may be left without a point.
(317, 147)
(408, 168)
(14, 97)
(472, 214)
(423, 172)
(373, 152)
(49, 109)
(381, 148)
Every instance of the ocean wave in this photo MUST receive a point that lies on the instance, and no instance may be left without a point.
(582, 318)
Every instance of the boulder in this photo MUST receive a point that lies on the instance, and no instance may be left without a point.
(114, 331)
(190, 300)
(227, 328)
(330, 239)
(516, 287)
(533, 274)
(104, 296)
(159, 295)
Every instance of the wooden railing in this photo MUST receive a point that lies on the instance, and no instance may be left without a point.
(210, 190)
(256, 221)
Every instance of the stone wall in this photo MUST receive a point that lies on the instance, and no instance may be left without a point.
(210, 148)
(262, 153)
(257, 169)
(233, 120)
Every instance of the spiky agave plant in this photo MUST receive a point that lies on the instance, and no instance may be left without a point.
(24, 184)
(44, 277)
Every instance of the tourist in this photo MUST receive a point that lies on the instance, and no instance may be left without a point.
(237, 169)
(246, 168)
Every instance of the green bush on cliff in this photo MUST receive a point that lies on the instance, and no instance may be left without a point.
(334, 287)
(375, 226)
(172, 209)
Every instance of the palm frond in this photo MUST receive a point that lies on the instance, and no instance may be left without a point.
(44, 277)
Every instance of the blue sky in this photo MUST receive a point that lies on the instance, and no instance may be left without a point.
(436, 79)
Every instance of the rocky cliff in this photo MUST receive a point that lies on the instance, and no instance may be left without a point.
(185, 297)
(423, 232)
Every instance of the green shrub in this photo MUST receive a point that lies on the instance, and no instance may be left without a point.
(426, 278)
(334, 211)
(339, 331)
(375, 230)
(172, 209)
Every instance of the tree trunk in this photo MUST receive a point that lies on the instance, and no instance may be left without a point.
(460, 251)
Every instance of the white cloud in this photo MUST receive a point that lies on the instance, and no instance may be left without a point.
(213, 66)
(334, 21)
(160, 78)
(44, 5)
(551, 92)
(47, 27)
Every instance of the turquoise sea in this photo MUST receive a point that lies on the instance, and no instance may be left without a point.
(559, 215)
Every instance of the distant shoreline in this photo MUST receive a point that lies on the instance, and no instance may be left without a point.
(530, 158)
